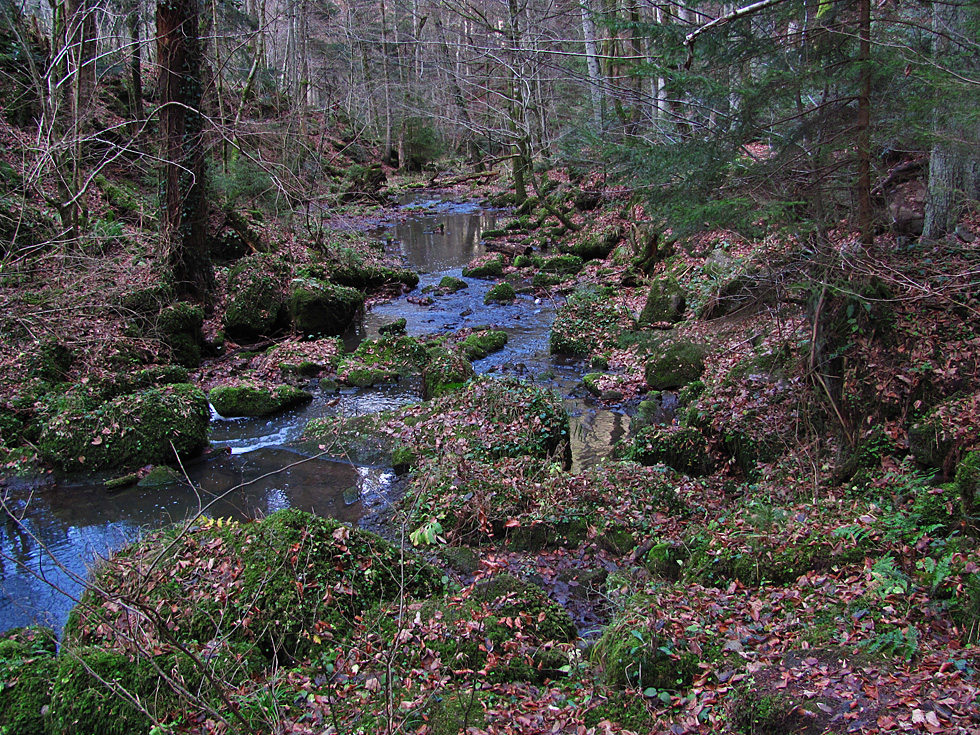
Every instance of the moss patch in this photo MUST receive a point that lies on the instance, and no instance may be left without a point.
(491, 266)
(447, 371)
(256, 296)
(321, 308)
(502, 293)
(674, 365)
(253, 400)
(129, 431)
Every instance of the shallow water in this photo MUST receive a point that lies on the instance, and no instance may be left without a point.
(66, 529)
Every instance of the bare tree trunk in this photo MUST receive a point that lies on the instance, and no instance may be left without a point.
(592, 63)
(180, 57)
(865, 214)
(135, 64)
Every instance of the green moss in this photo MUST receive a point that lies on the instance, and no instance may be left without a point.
(480, 344)
(446, 371)
(179, 326)
(626, 708)
(673, 366)
(451, 284)
(47, 361)
(122, 196)
(396, 327)
(967, 479)
(632, 654)
(502, 293)
(322, 308)
(82, 704)
(565, 265)
(27, 673)
(939, 506)
(460, 558)
(591, 383)
(504, 598)
(143, 302)
(129, 431)
(665, 302)
(161, 476)
(300, 581)
(383, 360)
(586, 324)
(256, 300)
(252, 400)
(546, 280)
(492, 267)
(451, 714)
(755, 713)
(596, 244)
(527, 261)
(682, 448)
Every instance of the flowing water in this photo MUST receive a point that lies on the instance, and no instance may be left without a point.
(66, 528)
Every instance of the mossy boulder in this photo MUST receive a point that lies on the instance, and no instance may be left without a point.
(256, 297)
(447, 371)
(383, 360)
(48, 361)
(254, 400)
(586, 324)
(28, 670)
(487, 267)
(129, 431)
(518, 620)
(124, 198)
(451, 284)
(675, 364)
(929, 442)
(597, 244)
(502, 293)
(682, 448)
(322, 308)
(396, 327)
(365, 181)
(564, 265)
(480, 344)
(632, 653)
(87, 699)
(141, 303)
(283, 587)
(967, 480)
(666, 303)
(179, 327)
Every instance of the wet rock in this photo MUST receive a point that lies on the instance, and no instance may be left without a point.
(502, 293)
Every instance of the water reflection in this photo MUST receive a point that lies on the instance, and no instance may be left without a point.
(50, 536)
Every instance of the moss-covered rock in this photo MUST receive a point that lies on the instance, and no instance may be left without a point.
(48, 361)
(517, 619)
(451, 284)
(967, 480)
(491, 266)
(124, 198)
(254, 400)
(675, 364)
(665, 303)
(595, 244)
(682, 448)
(396, 327)
(447, 371)
(632, 653)
(129, 431)
(147, 301)
(281, 587)
(256, 296)
(322, 308)
(564, 265)
(586, 324)
(82, 703)
(478, 345)
(383, 360)
(179, 326)
(365, 182)
(502, 293)
(28, 669)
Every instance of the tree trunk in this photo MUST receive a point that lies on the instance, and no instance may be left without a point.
(592, 64)
(865, 214)
(180, 56)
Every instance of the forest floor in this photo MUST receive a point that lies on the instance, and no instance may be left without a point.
(793, 550)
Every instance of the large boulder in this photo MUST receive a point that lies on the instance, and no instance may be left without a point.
(675, 364)
(666, 304)
(253, 400)
(446, 371)
(256, 297)
(322, 308)
(132, 430)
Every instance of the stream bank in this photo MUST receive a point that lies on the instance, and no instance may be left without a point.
(68, 525)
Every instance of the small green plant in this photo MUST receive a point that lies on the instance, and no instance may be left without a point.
(896, 642)
(888, 579)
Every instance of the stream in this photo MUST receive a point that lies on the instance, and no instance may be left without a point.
(68, 527)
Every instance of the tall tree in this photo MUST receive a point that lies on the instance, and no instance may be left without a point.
(180, 56)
